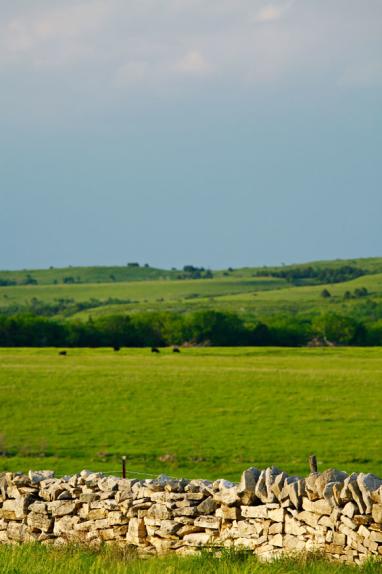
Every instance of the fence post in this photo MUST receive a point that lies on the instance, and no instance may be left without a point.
(313, 463)
(123, 467)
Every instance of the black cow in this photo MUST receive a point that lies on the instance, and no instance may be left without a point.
(63, 353)
(155, 350)
(176, 350)
(116, 348)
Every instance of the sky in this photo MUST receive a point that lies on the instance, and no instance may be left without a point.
(206, 132)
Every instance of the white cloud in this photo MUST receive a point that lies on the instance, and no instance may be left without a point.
(105, 46)
(193, 62)
(52, 34)
(273, 12)
(269, 13)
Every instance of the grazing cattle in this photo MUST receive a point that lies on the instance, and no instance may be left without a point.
(176, 350)
(155, 350)
(63, 353)
(115, 348)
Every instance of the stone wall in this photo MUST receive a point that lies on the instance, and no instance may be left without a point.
(268, 512)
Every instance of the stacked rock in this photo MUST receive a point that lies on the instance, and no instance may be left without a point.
(267, 512)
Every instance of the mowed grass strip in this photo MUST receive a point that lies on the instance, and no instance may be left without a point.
(206, 412)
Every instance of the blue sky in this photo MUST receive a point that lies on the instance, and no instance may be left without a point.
(217, 133)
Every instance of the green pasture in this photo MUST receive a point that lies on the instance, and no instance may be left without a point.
(138, 291)
(206, 412)
(259, 297)
(90, 274)
(110, 273)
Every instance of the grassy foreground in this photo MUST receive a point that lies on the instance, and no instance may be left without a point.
(71, 560)
(206, 412)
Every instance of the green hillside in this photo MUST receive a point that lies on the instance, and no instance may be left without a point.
(295, 305)
(137, 272)
(96, 274)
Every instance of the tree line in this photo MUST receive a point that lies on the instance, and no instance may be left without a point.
(199, 328)
(309, 274)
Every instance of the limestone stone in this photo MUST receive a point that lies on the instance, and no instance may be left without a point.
(376, 513)
(276, 540)
(107, 534)
(16, 508)
(161, 545)
(65, 524)
(293, 543)
(260, 511)
(197, 539)
(101, 524)
(278, 485)
(136, 532)
(367, 484)
(212, 522)
(247, 530)
(227, 495)
(97, 514)
(357, 496)
(38, 475)
(329, 475)
(363, 531)
(121, 530)
(293, 526)
(276, 528)
(89, 497)
(376, 536)
(247, 485)
(348, 522)
(39, 522)
(371, 545)
(169, 528)
(116, 518)
(228, 512)
(188, 529)
(261, 488)
(84, 526)
(318, 506)
(186, 511)
(17, 531)
(326, 521)
(309, 518)
(247, 543)
(198, 485)
(349, 509)
(61, 508)
(346, 495)
(292, 491)
(276, 515)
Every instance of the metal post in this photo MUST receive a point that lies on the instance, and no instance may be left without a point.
(123, 467)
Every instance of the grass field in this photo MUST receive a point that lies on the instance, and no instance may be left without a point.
(256, 296)
(259, 297)
(138, 291)
(71, 560)
(108, 273)
(206, 412)
(38, 559)
(111, 290)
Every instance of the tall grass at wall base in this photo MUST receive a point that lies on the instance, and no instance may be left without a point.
(36, 559)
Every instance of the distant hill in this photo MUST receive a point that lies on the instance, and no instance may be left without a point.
(308, 273)
(351, 287)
